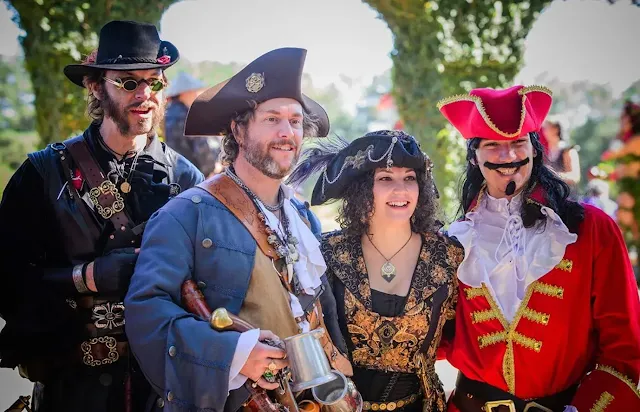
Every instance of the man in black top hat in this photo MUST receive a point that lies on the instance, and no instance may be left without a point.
(73, 217)
(246, 241)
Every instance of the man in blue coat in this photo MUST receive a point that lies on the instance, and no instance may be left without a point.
(247, 242)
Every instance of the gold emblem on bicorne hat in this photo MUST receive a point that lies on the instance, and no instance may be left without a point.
(255, 82)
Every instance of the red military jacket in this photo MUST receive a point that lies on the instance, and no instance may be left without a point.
(578, 323)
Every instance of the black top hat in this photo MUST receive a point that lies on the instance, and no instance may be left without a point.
(127, 45)
(275, 74)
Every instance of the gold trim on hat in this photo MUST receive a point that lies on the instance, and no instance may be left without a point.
(480, 106)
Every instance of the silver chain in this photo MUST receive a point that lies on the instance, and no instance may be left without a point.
(240, 183)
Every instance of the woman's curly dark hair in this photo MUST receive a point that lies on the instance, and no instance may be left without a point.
(357, 206)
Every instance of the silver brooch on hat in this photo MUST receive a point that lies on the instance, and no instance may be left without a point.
(255, 82)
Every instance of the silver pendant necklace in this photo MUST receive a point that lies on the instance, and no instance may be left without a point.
(388, 269)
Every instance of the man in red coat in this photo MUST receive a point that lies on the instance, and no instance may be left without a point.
(548, 314)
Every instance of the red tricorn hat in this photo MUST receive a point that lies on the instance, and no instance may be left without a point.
(498, 114)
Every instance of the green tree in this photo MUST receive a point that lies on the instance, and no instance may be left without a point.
(16, 97)
(61, 32)
(448, 47)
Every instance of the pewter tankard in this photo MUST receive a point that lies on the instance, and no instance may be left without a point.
(308, 362)
(339, 395)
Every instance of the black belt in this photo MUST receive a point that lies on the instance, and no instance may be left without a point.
(475, 396)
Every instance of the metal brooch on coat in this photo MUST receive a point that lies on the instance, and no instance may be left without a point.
(108, 315)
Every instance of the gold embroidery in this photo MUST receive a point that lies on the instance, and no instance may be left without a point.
(535, 316)
(481, 109)
(565, 264)
(344, 257)
(547, 289)
(483, 315)
(393, 344)
(601, 404)
(483, 189)
(526, 341)
(474, 292)
(508, 368)
(495, 308)
(455, 255)
(491, 339)
(509, 334)
(439, 275)
(623, 378)
(389, 343)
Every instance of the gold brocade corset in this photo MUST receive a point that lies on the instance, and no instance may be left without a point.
(400, 343)
(387, 343)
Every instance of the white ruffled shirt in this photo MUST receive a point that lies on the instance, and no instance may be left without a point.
(308, 269)
(504, 255)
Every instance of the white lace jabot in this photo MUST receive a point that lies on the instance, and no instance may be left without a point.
(504, 255)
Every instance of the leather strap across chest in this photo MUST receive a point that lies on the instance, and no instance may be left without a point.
(104, 194)
(238, 202)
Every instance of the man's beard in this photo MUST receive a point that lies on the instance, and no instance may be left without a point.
(120, 116)
(258, 156)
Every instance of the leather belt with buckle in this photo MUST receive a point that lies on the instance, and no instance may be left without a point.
(390, 406)
(475, 396)
(102, 351)
(493, 406)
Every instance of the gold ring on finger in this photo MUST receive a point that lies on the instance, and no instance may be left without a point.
(272, 366)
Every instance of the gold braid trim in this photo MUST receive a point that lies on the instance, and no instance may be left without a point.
(472, 293)
(549, 290)
(535, 316)
(526, 341)
(565, 264)
(485, 116)
(481, 194)
(509, 369)
(484, 315)
(509, 334)
(491, 339)
(601, 404)
(536, 88)
(623, 378)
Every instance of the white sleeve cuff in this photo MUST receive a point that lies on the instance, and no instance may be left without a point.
(246, 343)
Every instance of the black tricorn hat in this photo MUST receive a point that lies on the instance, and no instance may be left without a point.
(383, 148)
(275, 74)
(127, 45)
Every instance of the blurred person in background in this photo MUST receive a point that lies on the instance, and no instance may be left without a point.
(562, 157)
(598, 196)
(202, 151)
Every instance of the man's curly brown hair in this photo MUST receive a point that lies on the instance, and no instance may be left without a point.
(357, 206)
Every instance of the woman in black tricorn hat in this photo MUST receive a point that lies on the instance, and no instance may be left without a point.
(392, 273)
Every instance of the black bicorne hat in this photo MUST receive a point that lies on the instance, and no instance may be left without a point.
(384, 148)
(275, 74)
(127, 45)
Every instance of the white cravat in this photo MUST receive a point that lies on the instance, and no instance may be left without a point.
(504, 255)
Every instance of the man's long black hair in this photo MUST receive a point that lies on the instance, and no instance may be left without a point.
(556, 191)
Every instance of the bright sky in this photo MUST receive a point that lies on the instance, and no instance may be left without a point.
(573, 39)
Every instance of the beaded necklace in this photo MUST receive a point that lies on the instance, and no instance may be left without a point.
(284, 243)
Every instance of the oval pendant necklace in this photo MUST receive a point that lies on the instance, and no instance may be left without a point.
(388, 269)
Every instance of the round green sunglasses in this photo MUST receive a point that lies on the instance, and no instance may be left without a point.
(130, 85)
